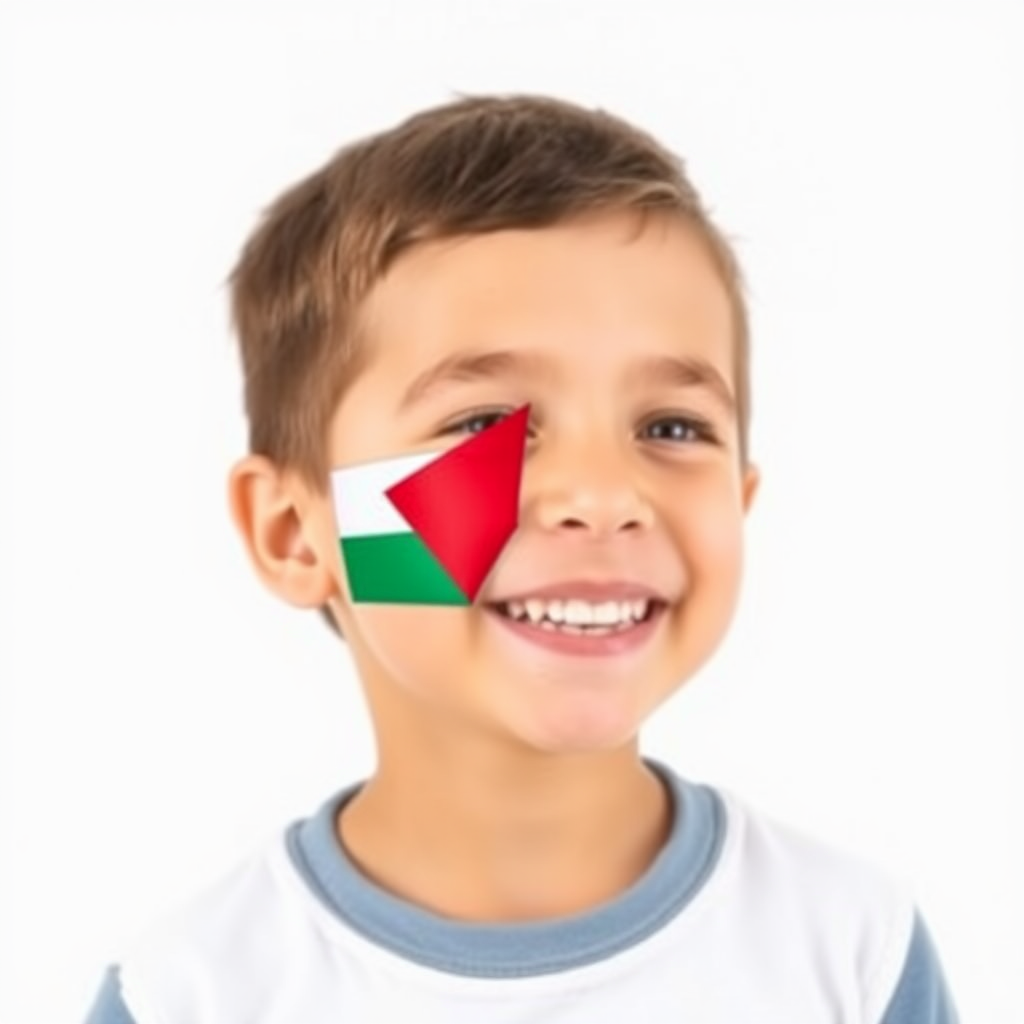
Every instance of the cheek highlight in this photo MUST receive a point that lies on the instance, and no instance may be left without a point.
(418, 648)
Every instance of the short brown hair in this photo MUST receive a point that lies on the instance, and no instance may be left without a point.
(474, 165)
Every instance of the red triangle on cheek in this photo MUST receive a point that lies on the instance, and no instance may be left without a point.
(465, 504)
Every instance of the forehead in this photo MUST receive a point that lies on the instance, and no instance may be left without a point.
(592, 293)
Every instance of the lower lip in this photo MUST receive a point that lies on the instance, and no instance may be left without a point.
(604, 645)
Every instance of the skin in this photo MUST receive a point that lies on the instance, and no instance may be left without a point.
(514, 773)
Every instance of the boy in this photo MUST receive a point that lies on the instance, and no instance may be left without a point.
(493, 265)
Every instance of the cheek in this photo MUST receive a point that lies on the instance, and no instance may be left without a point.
(419, 647)
(710, 532)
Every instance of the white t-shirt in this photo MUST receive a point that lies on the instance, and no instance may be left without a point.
(739, 920)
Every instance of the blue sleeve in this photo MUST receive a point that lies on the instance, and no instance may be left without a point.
(108, 1007)
(921, 995)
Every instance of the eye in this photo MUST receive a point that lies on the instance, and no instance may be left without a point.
(477, 421)
(678, 428)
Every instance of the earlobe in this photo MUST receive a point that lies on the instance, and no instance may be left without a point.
(751, 484)
(278, 532)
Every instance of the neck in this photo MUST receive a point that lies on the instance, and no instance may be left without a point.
(478, 837)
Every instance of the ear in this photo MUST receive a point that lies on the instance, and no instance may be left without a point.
(280, 524)
(751, 484)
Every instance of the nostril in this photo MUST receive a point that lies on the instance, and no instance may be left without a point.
(582, 524)
(574, 524)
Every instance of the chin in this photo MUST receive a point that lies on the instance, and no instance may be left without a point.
(579, 730)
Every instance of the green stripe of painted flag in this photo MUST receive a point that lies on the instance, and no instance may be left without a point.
(397, 568)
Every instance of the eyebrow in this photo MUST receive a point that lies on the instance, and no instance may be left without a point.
(466, 367)
(688, 372)
(666, 371)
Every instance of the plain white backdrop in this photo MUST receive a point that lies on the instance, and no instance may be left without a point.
(160, 715)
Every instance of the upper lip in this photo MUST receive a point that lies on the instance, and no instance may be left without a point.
(586, 590)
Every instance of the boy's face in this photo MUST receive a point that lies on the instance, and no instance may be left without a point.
(622, 343)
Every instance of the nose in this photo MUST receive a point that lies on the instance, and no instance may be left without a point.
(591, 489)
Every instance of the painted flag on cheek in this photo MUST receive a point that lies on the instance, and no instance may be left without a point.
(427, 528)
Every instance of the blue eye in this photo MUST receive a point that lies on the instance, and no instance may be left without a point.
(475, 422)
(679, 429)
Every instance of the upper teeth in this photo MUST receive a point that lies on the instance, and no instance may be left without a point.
(579, 613)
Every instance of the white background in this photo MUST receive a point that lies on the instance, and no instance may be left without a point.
(159, 714)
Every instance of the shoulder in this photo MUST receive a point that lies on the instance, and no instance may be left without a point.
(228, 944)
(861, 921)
(833, 886)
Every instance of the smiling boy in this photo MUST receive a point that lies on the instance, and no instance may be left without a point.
(513, 856)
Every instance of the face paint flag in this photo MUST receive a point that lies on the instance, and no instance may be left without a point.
(427, 528)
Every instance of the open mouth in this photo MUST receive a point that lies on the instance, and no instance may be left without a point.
(580, 618)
